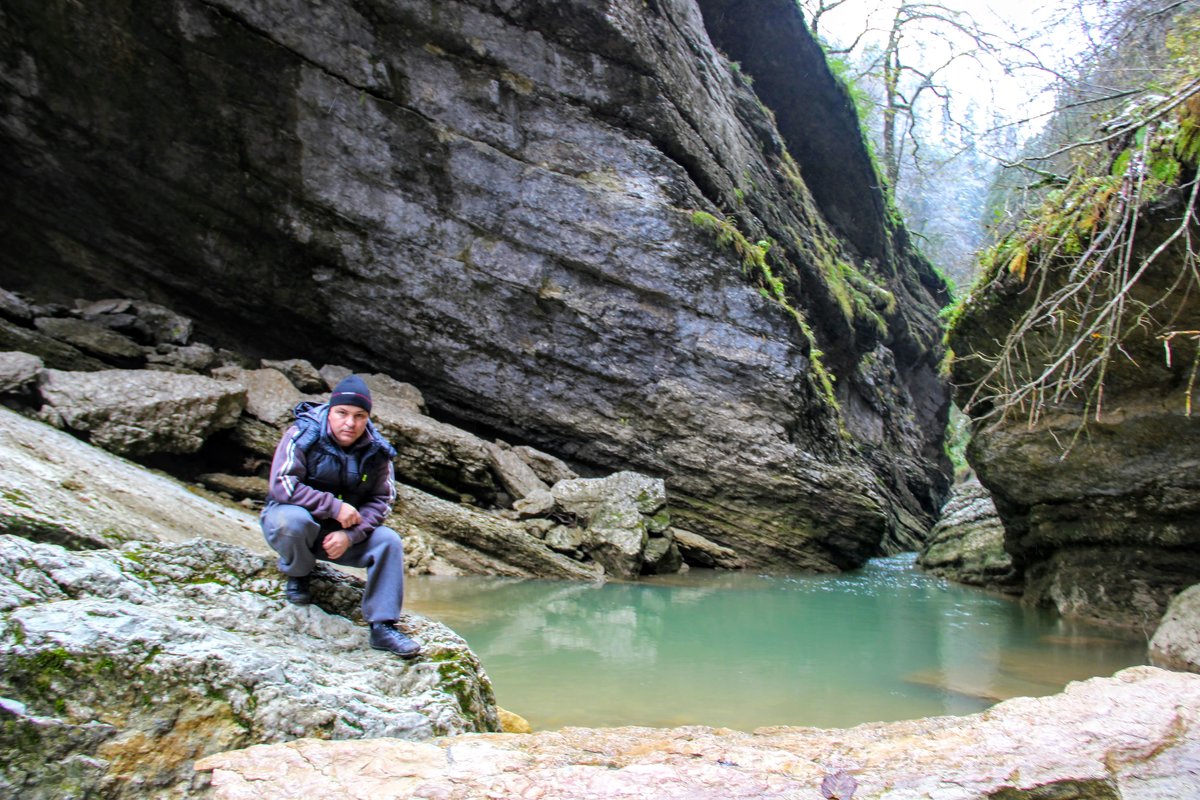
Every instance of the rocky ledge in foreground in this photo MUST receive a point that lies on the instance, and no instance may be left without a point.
(1134, 735)
(119, 668)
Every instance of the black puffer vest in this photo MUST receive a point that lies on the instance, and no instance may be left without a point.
(347, 474)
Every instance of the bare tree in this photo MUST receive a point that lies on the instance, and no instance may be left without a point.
(907, 60)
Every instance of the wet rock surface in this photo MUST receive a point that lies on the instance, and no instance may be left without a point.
(496, 203)
(1134, 735)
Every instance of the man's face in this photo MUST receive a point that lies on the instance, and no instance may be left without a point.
(347, 423)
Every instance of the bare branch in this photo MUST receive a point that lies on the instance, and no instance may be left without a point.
(1162, 109)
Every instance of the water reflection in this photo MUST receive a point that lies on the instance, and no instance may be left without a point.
(744, 650)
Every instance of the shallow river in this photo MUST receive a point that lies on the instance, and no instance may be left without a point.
(743, 650)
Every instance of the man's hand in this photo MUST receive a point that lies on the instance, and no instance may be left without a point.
(336, 544)
(348, 516)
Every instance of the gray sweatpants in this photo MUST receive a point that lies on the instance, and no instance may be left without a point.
(296, 537)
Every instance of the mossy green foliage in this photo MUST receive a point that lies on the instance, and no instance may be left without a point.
(843, 71)
(735, 69)
(753, 256)
(461, 678)
(44, 761)
(57, 681)
(1183, 44)
(858, 297)
(1062, 790)
(864, 107)
(40, 676)
(958, 435)
(1067, 219)
(50, 680)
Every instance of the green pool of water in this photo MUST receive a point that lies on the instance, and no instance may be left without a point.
(744, 650)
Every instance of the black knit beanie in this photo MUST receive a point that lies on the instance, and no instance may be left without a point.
(351, 391)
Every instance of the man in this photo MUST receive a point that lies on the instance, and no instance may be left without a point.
(331, 486)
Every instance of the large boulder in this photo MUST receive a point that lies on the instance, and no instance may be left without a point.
(619, 513)
(515, 473)
(54, 353)
(138, 412)
(1135, 735)
(1176, 643)
(126, 666)
(550, 469)
(390, 393)
(255, 436)
(700, 552)
(436, 456)
(15, 308)
(967, 544)
(303, 375)
(150, 323)
(271, 397)
(661, 556)
(156, 324)
(195, 357)
(573, 223)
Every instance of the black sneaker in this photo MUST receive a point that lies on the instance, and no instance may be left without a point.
(297, 590)
(385, 637)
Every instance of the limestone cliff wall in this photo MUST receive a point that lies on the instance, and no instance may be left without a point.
(496, 200)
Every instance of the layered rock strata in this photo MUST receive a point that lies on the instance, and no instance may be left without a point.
(1100, 503)
(55, 488)
(499, 203)
(967, 543)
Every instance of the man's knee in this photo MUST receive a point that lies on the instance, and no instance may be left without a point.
(385, 543)
(288, 521)
(387, 537)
